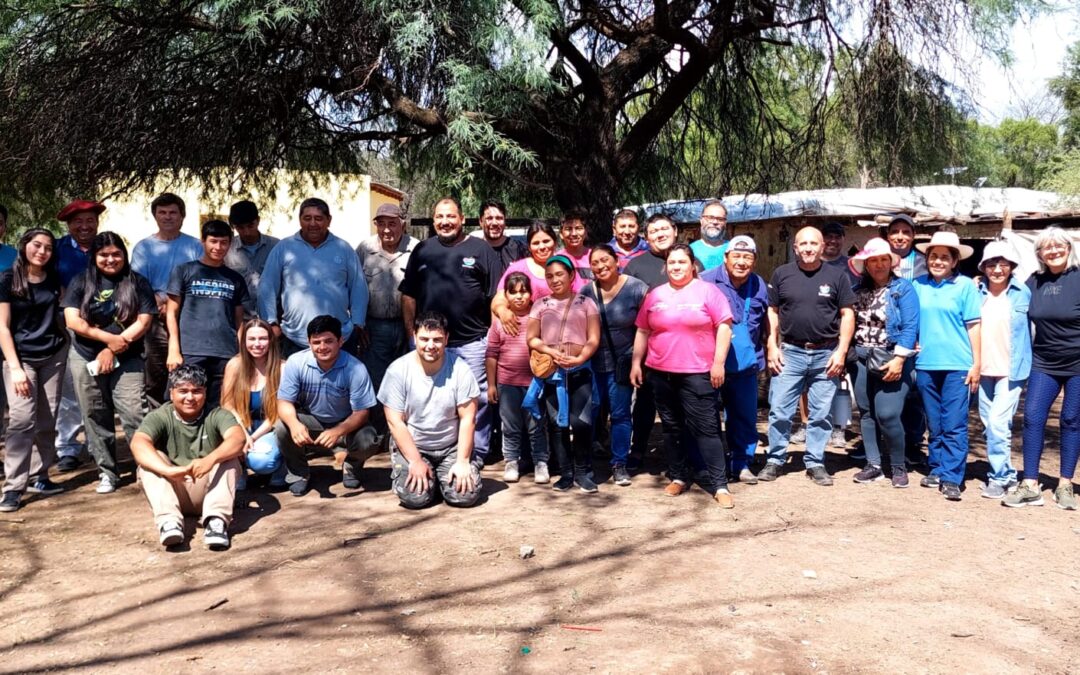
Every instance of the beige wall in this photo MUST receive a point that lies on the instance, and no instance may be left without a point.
(352, 206)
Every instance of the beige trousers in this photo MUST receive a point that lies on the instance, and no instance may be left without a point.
(212, 495)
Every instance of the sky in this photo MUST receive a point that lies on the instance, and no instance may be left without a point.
(1038, 50)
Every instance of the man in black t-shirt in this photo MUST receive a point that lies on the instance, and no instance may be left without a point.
(205, 309)
(661, 234)
(811, 323)
(456, 276)
(493, 224)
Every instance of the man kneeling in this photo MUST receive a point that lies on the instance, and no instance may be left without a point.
(430, 401)
(188, 461)
(322, 402)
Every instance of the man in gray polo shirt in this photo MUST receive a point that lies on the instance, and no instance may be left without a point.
(430, 399)
(323, 403)
(249, 250)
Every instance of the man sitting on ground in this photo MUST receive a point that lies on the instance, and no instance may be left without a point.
(188, 459)
(323, 402)
(430, 401)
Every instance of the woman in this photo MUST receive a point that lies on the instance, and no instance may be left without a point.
(1006, 360)
(619, 297)
(886, 328)
(1055, 365)
(949, 360)
(566, 327)
(33, 344)
(109, 308)
(541, 240)
(249, 391)
(684, 331)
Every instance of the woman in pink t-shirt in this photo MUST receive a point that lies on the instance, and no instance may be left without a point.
(566, 326)
(684, 331)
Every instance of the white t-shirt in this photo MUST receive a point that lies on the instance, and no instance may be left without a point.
(429, 403)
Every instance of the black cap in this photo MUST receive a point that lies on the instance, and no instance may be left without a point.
(832, 228)
(242, 213)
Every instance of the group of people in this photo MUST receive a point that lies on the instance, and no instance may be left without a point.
(231, 358)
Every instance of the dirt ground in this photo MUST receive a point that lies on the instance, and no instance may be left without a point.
(798, 578)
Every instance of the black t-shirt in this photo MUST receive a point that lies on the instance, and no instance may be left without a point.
(457, 280)
(648, 267)
(208, 297)
(509, 251)
(102, 313)
(1055, 312)
(810, 302)
(35, 320)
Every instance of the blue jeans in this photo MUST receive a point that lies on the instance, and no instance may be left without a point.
(945, 398)
(804, 370)
(265, 459)
(516, 422)
(881, 409)
(473, 354)
(739, 395)
(998, 399)
(618, 398)
(386, 342)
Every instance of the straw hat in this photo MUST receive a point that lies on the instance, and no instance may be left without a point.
(948, 240)
(873, 248)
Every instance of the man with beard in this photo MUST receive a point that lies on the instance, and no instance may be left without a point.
(493, 224)
(455, 275)
(711, 247)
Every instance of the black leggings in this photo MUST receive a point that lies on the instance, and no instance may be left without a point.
(572, 452)
(687, 402)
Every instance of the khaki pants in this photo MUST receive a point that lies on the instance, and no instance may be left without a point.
(210, 496)
(30, 444)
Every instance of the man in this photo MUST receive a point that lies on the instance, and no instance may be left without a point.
(901, 237)
(323, 403)
(430, 400)
(572, 232)
(72, 256)
(7, 253)
(832, 253)
(811, 323)
(493, 224)
(155, 257)
(205, 309)
(455, 275)
(189, 460)
(383, 259)
(710, 248)
(660, 234)
(627, 241)
(748, 295)
(313, 273)
(249, 250)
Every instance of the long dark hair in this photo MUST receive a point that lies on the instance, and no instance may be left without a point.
(124, 295)
(20, 271)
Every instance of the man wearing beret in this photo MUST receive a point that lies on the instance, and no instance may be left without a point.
(72, 254)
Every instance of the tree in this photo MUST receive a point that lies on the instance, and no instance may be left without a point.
(1067, 88)
(581, 103)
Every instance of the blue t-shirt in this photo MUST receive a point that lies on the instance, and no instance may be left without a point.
(945, 310)
(7, 257)
(329, 396)
(70, 259)
(155, 258)
(709, 256)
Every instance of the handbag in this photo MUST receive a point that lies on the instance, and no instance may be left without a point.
(742, 354)
(622, 361)
(877, 358)
(543, 365)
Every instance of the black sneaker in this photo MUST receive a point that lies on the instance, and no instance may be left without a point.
(299, 488)
(45, 487)
(870, 474)
(951, 491)
(564, 483)
(170, 534)
(11, 502)
(930, 481)
(769, 472)
(350, 482)
(215, 534)
(858, 452)
(585, 483)
(899, 477)
(819, 475)
(68, 464)
(620, 475)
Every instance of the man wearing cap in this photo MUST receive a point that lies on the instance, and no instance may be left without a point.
(249, 250)
(493, 225)
(154, 258)
(811, 323)
(383, 258)
(81, 217)
(748, 295)
(710, 249)
(627, 242)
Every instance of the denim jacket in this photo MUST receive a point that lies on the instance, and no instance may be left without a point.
(1020, 332)
(901, 316)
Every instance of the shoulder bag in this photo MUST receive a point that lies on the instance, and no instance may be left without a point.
(543, 365)
(622, 361)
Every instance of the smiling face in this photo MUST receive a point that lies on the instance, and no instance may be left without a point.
(680, 268)
(257, 342)
(448, 222)
(739, 265)
(901, 237)
(604, 266)
(713, 222)
(1055, 255)
(493, 222)
(216, 248)
(110, 260)
(541, 247)
(39, 250)
(661, 235)
(626, 232)
(572, 232)
(940, 261)
(325, 347)
(390, 230)
(559, 279)
(808, 246)
(188, 399)
(314, 225)
(83, 227)
(833, 245)
(879, 268)
(997, 271)
(430, 345)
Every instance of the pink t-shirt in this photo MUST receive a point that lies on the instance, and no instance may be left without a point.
(682, 325)
(996, 326)
(549, 312)
(581, 263)
(540, 288)
(511, 353)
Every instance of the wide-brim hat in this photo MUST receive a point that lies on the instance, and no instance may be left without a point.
(872, 249)
(948, 240)
(1000, 249)
(78, 206)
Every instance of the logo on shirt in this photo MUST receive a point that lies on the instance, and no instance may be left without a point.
(1052, 290)
(468, 262)
(824, 291)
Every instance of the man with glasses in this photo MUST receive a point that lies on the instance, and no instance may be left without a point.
(711, 247)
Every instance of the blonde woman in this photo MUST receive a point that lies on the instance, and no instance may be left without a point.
(249, 391)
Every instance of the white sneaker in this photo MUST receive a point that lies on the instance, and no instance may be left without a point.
(510, 473)
(171, 534)
(106, 485)
(540, 473)
(215, 534)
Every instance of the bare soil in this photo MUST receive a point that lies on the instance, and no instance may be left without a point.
(797, 578)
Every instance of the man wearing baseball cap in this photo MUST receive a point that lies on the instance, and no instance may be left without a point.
(72, 255)
(249, 250)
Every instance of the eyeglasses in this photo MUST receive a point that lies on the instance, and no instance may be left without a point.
(713, 219)
(1054, 246)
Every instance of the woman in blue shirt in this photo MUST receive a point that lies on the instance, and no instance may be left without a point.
(949, 361)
